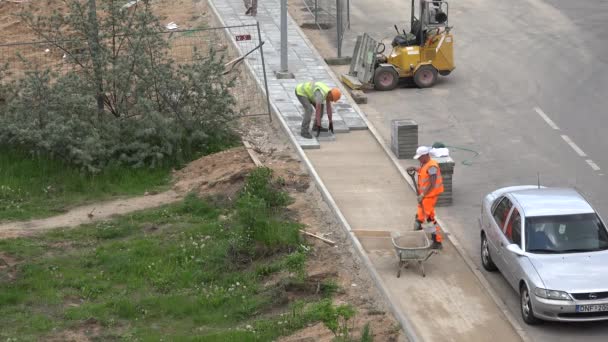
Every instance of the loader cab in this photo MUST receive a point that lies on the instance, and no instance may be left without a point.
(426, 16)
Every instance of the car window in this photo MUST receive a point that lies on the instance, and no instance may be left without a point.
(501, 211)
(513, 228)
(565, 234)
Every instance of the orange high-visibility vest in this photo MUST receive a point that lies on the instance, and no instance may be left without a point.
(424, 180)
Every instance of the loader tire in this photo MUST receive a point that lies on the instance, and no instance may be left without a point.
(425, 76)
(385, 78)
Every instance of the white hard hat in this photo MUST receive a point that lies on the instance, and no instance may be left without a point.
(422, 150)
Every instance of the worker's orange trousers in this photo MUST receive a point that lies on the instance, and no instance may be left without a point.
(426, 212)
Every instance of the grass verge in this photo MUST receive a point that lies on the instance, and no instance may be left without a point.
(188, 271)
(32, 187)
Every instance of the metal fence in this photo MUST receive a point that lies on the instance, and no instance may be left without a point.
(329, 14)
(23, 57)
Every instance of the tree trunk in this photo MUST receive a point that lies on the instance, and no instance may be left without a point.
(96, 55)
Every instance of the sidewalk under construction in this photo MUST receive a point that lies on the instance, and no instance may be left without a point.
(449, 304)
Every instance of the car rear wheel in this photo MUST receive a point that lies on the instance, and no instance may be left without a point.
(486, 258)
(526, 307)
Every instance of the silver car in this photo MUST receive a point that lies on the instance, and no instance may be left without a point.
(552, 247)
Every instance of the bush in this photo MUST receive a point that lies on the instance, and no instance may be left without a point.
(260, 184)
(257, 219)
(367, 335)
(335, 318)
(259, 225)
(125, 103)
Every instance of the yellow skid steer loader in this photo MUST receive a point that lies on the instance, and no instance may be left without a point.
(422, 54)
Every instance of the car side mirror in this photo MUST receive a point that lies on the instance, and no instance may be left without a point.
(514, 248)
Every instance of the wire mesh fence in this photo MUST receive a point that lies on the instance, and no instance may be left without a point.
(184, 47)
(330, 15)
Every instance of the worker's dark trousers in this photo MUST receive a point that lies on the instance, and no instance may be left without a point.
(309, 109)
(251, 6)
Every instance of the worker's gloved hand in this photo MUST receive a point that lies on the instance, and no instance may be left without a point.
(420, 198)
(411, 169)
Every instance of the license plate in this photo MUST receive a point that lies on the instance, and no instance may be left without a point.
(592, 308)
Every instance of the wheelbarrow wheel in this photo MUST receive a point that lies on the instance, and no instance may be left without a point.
(400, 266)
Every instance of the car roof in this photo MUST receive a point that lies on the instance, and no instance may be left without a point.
(551, 201)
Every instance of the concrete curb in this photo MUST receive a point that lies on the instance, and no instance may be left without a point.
(338, 60)
(400, 316)
(482, 280)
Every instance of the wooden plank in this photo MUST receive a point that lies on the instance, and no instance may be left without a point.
(252, 154)
(351, 82)
(318, 237)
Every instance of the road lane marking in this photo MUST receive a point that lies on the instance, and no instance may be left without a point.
(574, 146)
(546, 118)
(567, 139)
(593, 165)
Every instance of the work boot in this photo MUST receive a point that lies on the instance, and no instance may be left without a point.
(417, 225)
(306, 134)
(436, 244)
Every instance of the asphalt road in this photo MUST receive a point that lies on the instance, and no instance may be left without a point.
(528, 95)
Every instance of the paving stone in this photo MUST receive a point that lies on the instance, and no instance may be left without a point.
(304, 63)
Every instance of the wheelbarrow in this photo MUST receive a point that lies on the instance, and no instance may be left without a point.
(412, 246)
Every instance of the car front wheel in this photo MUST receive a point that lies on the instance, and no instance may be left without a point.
(486, 258)
(527, 313)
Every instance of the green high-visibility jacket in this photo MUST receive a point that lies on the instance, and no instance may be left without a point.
(308, 89)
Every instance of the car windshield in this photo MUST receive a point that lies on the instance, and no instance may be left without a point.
(565, 234)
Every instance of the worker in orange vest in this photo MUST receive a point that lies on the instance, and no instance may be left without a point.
(430, 186)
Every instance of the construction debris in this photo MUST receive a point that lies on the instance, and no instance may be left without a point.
(327, 241)
(172, 26)
(359, 96)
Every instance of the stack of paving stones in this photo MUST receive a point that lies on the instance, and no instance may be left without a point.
(404, 138)
(304, 62)
(446, 165)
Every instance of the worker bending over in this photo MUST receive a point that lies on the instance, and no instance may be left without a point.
(430, 186)
(313, 96)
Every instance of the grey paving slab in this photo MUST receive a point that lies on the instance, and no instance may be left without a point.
(304, 62)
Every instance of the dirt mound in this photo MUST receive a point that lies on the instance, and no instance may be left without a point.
(223, 173)
(13, 28)
(186, 14)
(219, 174)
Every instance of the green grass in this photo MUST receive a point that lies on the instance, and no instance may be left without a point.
(32, 187)
(168, 273)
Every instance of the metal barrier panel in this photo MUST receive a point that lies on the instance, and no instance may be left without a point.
(24, 57)
(330, 15)
(323, 12)
(364, 59)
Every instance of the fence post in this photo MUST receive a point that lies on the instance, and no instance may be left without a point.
(339, 27)
(284, 61)
(348, 12)
(284, 72)
(264, 71)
